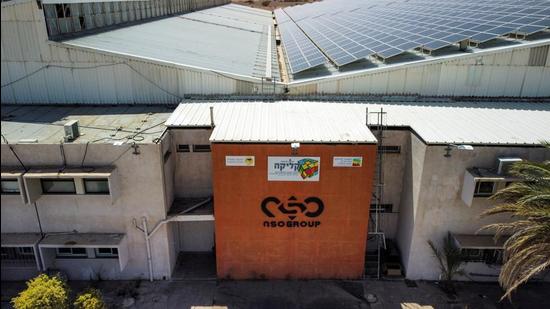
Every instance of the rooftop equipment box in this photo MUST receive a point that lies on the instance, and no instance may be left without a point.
(281, 215)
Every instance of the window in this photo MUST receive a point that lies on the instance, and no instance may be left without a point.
(201, 148)
(5, 253)
(17, 253)
(389, 149)
(63, 10)
(183, 148)
(484, 188)
(10, 186)
(58, 186)
(25, 251)
(72, 252)
(472, 255)
(493, 257)
(487, 256)
(106, 252)
(96, 186)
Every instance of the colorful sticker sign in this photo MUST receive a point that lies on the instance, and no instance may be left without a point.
(293, 168)
(347, 161)
(240, 161)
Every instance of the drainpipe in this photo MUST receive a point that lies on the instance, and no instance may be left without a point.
(148, 235)
(148, 244)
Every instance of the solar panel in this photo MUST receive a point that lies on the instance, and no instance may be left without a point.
(349, 30)
(300, 52)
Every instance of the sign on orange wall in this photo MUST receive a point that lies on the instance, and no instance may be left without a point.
(293, 168)
(292, 216)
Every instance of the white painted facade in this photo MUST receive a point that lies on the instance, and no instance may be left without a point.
(423, 186)
(431, 204)
(141, 193)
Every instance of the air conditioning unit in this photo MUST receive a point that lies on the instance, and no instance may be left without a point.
(504, 165)
(71, 130)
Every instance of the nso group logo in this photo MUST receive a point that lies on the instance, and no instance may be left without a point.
(292, 213)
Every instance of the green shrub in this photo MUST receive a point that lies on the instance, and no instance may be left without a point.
(89, 299)
(43, 292)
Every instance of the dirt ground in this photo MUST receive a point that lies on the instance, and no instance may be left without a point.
(318, 294)
(270, 4)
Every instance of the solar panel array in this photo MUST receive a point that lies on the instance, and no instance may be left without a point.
(301, 53)
(349, 30)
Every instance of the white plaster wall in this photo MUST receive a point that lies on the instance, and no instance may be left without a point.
(440, 209)
(88, 269)
(141, 194)
(393, 172)
(169, 169)
(193, 170)
(409, 196)
(195, 236)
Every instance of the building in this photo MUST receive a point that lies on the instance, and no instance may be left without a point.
(84, 193)
(173, 139)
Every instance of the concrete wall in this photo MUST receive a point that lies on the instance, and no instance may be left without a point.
(18, 273)
(432, 205)
(409, 196)
(248, 245)
(194, 236)
(193, 170)
(88, 269)
(393, 173)
(141, 194)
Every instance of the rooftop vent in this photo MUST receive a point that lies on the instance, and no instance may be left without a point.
(504, 165)
(71, 130)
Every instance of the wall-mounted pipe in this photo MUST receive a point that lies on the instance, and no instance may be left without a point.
(148, 235)
(212, 117)
(148, 245)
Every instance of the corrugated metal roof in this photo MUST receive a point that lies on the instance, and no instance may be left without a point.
(105, 124)
(279, 122)
(513, 123)
(226, 39)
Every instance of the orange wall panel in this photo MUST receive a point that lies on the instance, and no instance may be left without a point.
(333, 246)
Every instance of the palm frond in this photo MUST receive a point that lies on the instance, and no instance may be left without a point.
(527, 250)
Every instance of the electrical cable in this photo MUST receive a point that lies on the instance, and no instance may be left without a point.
(63, 157)
(14, 153)
(85, 153)
(38, 219)
(135, 136)
(120, 156)
(94, 67)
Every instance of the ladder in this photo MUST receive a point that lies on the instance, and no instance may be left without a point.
(376, 240)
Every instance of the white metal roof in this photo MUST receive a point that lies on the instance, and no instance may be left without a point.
(498, 123)
(278, 122)
(225, 39)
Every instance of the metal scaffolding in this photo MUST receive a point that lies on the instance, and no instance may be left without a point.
(376, 237)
